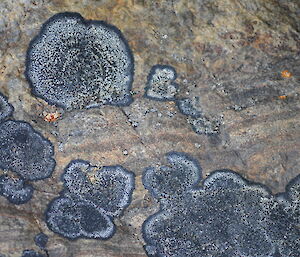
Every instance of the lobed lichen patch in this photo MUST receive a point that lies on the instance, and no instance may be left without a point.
(75, 219)
(160, 83)
(91, 199)
(25, 151)
(15, 190)
(182, 173)
(190, 107)
(109, 187)
(225, 216)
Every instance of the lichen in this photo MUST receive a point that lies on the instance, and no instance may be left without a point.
(75, 218)
(6, 109)
(200, 123)
(109, 187)
(76, 63)
(225, 216)
(32, 253)
(167, 182)
(15, 190)
(205, 125)
(160, 83)
(291, 199)
(91, 198)
(25, 151)
(190, 107)
(41, 240)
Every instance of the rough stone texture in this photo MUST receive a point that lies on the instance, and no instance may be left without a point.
(230, 53)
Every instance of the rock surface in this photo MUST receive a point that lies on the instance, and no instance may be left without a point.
(240, 57)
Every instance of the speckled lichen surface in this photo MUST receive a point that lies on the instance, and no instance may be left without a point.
(229, 53)
(223, 215)
(76, 63)
(91, 199)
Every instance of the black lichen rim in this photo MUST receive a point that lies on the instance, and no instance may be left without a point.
(127, 100)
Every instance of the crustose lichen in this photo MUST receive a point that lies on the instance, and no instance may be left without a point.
(76, 63)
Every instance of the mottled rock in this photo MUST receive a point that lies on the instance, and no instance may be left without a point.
(229, 53)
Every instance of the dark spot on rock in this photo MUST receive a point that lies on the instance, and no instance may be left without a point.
(32, 253)
(41, 240)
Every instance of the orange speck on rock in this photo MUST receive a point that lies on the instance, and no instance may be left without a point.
(286, 74)
(51, 117)
(282, 97)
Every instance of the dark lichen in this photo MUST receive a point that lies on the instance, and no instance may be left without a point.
(291, 199)
(205, 125)
(32, 253)
(6, 109)
(190, 107)
(91, 198)
(15, 190)
(166, 182)
(160, 83)
(109, 187)
(75, 63)
(77, 219)
(226, 216)
(201, 124)
(25, 151)
(41, 240)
